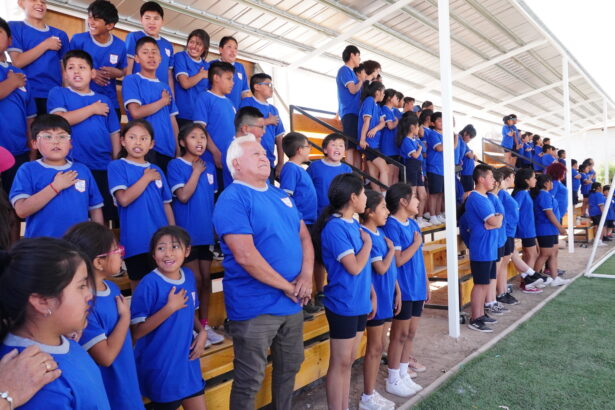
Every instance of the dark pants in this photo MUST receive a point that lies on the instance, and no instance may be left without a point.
(41, 106)
(109, 209)
(251, 340)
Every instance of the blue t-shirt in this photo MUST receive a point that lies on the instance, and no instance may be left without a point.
(195, 216)
(537, 158)
(526, 227)
(162, 356)
(70, 206)
(459, 151)
(387, 141)
(345, 294)
(120, 378)
(91, 137)
(79, 387)
(595, 200)
(483, 242)
(271, 131)
(467, 164)
(435, 160)
(348, 103)
(296, 182)
(408, 146)
(586, 185)
(411, 275)
(15, 109)
(511, 212)
(507, 140)
(217, 114)
(371, 110)
(610, 215)
(145, 214)
(109, 54)
(143, 91)
(576, 183)
(240, 83)
(322, 173)
(45, 72)
(384, 285)
(499, 208)
(560, 193)
(271, 217)
(548, 159)
(186, 65)
(166, 55)
(544, 201)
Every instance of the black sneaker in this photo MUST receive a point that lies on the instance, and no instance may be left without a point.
(479, 326)
(319, 299)
(307, 316)
(488, 319)
(530, 279)
(495, 310)
(606, 239)
(311, 308)
(507, 299)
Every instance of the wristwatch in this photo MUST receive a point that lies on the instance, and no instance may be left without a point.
(5, 395)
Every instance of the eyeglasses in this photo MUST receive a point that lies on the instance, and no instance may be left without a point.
(270, 85)
(59, 138)
(119, 250)
(262, 127)
(305, 146)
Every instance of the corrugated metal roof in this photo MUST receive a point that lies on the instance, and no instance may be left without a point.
(487, 81)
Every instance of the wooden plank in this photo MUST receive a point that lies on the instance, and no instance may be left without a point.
(217, 397)
(216, 312)
(316, 327)
(219, 361)
(301, 123)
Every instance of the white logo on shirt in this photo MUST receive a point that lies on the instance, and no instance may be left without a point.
(166, 50)
(287, 202)
(23, 89)
(158, 183)
(80, 185)
(194, 298)
(113, 58)
(240, 76)
(210, 179)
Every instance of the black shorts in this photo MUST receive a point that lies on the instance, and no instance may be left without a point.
(345, 327)
(609, 223)
(378, 322)
(547, 241)
(575, 197)
(109, 209)
(500, 252)
(41, 106)
(482, 272)
(410, 309)
(182, 122)
(200, 252)
(435, 183)
(586, 196)
(370, 156)
(414, 174)
(467, 181)
(171, 405)
(596, 219)
(528, 242)
(509, 246)
(139, 265)
(350, 126)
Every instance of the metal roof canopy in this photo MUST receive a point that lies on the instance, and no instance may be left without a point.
(503, 57)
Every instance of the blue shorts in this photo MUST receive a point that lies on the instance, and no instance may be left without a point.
(482, 271)
(345, 327)
(435, 183)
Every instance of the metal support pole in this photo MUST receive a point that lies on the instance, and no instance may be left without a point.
(568, 139)
(449, 167)
(605, 120)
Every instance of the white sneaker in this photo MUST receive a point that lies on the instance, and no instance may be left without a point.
(434, 220)
(559, 282)
(442, 218)
(213, 337)
(412, 384)
(399, 388)
(600, 243)
(426, 215)
(207, 344)
(548, 281)
(376, 402)
(425, 223)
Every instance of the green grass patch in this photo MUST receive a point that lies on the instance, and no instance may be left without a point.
(562, 358)
(608, 267)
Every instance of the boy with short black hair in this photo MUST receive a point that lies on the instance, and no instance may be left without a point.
(548, 155)
(108, 52)
(408, 104)
(228, 54)
(52, 193)
(561, 156)
(576, 181)
(152, 18)
(17, 109)
(147, 97)
(37, 49)
(95, 127)
(349, 87)
(482, 222)
(262, 90)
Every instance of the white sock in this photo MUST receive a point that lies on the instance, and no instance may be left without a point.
(489, 304)
(529, 272)
(393, 375)
(403, 369)
(366, 397)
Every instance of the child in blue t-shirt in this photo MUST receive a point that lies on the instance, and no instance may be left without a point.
(46, 293)
(108, 52)
(371, 122)
(548, 155)
(228, 53)
(483, 223)
(148, 98)
(95, 127)
(37, 49)
(295, 180)
(17, 110)
(152, 19)
(388, 140)
(435, 170)
(349, 81)
(193, 184)
(169, 338)
(548, 227)
(142, 196)
(407, 239)
(106, 337)
(53, 193)
(388, 296)
(576, 181)
(586, 184)
(509, 139)
(537, 152)
(610, 215)
(597, 205)
(468, 161)
(190, 70)
(344, 249)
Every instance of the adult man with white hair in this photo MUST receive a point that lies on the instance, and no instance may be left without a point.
(268, 263)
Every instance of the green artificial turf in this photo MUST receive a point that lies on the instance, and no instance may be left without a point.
(562, 358)
(608, 267)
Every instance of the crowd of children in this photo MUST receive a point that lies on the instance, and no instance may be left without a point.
(76, 171)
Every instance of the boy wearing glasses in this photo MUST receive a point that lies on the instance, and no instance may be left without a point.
(52, 193)
(262, 89)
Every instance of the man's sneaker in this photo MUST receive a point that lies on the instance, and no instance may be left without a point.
(529, 290)
(423, 223)
(488, 319)
(376, 402)
(411, 383)
(479, 326)
(434, 220)
(507, 299)
(495, 309)
(606, 239)
(559, 281)
(307, 316)
(546, 280)
(399, 388)
(217, 252)
(213, 337)
(600, 243)
(319, 300)
(531, 281)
